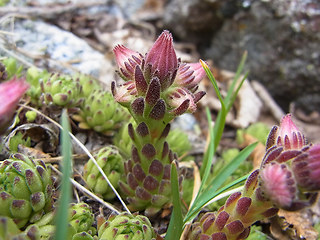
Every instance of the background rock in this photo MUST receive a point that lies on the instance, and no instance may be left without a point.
(283, 43)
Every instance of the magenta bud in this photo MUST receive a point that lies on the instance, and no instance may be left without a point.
(207, 220)
(162, 59)
(235, 227)
(165, 131)
(127, 61)
(143, 194)
(137, 106)
(217, 236)
(278, 184)
(243, 205)
(148, 151)
(150, 183)
(141, 83)
(221, 220)
(158, 111)
(10, 94)
(142, 129)
(153, 93)
(190, 74)
(156, 168)
(306, 169)
(287, 135)
(135, 155)
(138, 172)
(132, 181)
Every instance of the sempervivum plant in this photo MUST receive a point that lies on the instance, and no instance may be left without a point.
(111, 162)
(177, 140)
(101, 113)
(62, 90)
(125, 226)
(288, 178)
(157, 88)
(81, 218)
(9, 230)
(25, 189)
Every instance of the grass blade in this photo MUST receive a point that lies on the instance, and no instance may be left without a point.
(208, 156)
(65, 194)
(211, 191)
(230, 92)
(213, 81)
(176, 221)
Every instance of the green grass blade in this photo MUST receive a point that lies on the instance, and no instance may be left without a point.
(230, 92)
(208, 156)
(233, 97)
(215, 184)
(65, 194)
(176, 222)
(213, 81)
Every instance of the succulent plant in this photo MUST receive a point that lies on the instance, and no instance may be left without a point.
(34, 77)
(233, 220)
(9, 230)
(12, 68)
(125, 226)
(10, 93)
(177, 140)
(88, 84)
(157, 88)
(81, 218)
(288, 178)
(62, 90)
(111, 162)
(101, 113)
(79, 227)
(25, 189)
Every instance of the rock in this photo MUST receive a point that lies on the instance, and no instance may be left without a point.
(282, 38)
(189, 19)
(37, 38)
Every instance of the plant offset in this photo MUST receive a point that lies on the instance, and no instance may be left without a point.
(143, 168)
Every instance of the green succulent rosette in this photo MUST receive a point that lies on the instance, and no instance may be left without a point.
(9, 230)
(126, 227)
(81, 218)
(79, 227)
(34, 77)
(101, 113)
(11, 68)
(88, 84)
(62, 90)
(111, 162)
(25, 189)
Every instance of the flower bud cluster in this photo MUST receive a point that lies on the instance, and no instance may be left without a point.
(157, 88)
(288, 178)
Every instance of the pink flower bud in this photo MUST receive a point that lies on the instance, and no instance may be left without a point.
(163, 60)
(287, 135)
(189, 75)
(306, 168)
(277, 184)
(127, 61)
(10, 94)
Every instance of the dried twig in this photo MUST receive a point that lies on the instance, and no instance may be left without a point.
(267, 99)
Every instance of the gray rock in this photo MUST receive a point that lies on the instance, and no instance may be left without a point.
(282, 38)
(40, 38)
